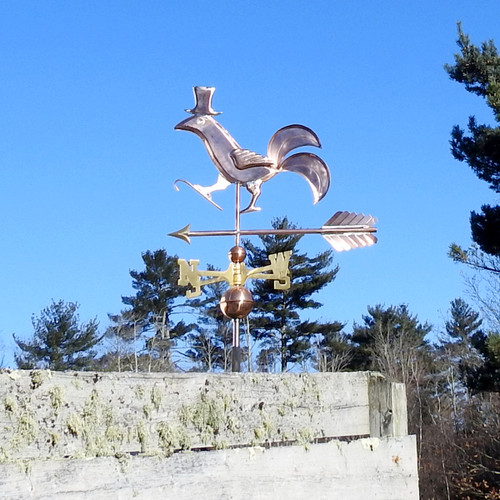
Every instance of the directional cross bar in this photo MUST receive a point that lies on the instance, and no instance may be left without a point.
(236, 274)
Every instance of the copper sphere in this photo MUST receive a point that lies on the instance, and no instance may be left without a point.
(237, 254)
(236, 303)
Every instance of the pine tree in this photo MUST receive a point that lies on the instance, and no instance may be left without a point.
(467, 405)
(152, 306)
(335, 351)
(462, 328)
(266, 360)
(455, 354)
(393, 341)
(121, 337)
(210, 341)
(485, 377)
(478, 68)
(390, 340)
(59, 342)
(276, 321)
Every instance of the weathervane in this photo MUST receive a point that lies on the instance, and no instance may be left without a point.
(241, 167)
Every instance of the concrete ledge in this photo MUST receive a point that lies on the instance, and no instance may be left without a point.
(47, 414)
(368, 468)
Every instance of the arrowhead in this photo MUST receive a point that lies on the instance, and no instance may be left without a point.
(182, 234)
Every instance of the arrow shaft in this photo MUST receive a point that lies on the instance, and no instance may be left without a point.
(259, 232)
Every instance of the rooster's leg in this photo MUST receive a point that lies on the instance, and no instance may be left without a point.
(206, 192)
(254, 188)
(220, 184)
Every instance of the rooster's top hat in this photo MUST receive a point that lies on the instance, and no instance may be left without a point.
(203, 101)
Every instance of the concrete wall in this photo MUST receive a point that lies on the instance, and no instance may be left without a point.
(364, 469)
(127, 435)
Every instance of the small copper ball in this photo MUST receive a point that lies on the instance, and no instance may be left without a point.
(237, 254)
(236, 303)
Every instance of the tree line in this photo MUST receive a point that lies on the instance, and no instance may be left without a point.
(160, 330)
(452, 375)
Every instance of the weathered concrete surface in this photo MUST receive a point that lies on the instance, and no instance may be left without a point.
(47, 414)
(374, 469)
(122, 435)
(388, 411)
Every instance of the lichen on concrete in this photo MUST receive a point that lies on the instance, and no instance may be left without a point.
(22, 429)
(51, 414)
(10, 404)
(56, 394)
(139, 391)
(156, 397)
(74, 425)
(209, 417)
(172, 438)
(143, 436)
(101, 433)
(38, 377)
(26, 430)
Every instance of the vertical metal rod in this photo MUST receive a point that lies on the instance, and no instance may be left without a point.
(237, 227)
(236, 362)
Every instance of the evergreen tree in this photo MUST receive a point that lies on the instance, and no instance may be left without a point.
(476, 259)
(468, 351)
(276, 320)
(59, 342)
(334, 351)
(266, 360)
(210, 341)
(121, 337)
(455, 354)
(485, 377)
(478, 68)
(390, 340)
(462, 330)
(154, 303)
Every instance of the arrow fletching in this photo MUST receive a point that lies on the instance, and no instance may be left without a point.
(354, 236)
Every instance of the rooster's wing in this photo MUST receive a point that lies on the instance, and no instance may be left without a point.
(243, 159)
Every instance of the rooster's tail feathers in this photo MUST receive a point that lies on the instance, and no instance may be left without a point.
(312, 168)
(288, 138)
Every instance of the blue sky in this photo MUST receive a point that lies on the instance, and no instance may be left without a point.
(90, 92)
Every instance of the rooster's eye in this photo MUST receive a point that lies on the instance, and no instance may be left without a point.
(200, 121)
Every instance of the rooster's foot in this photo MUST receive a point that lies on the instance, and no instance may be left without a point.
(203, 191)
(250, 209)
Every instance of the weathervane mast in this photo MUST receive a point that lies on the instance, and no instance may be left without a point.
(241, 167)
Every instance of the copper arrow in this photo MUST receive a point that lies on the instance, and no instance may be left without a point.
(343, 231)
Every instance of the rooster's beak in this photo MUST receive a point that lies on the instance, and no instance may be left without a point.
(182, 125)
